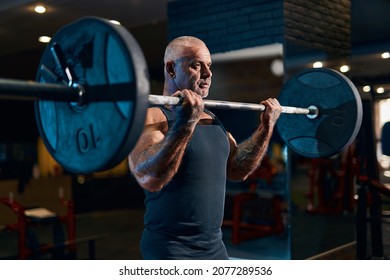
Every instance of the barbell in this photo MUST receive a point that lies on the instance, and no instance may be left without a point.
(92, 92)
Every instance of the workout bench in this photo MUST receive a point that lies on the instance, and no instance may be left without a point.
(36, 207)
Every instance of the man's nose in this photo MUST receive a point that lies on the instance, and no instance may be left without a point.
(206, 72)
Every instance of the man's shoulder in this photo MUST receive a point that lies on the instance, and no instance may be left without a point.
(155, 115)
(156, 118)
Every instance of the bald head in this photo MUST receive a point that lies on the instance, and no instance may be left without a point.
(177, 47)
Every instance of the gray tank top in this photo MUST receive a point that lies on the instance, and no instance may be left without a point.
(183, 220)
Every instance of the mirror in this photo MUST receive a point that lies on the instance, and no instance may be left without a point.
(322, 200)
(370, 63)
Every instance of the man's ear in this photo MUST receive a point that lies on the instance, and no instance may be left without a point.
(170, 68)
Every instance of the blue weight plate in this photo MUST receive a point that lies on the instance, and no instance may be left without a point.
(98, 135)
(340, 113)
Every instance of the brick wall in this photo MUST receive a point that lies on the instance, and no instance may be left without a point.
(227, 24)
(319, 24)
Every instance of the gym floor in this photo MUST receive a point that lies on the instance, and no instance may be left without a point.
(311, 234)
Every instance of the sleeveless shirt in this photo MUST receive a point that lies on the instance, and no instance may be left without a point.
(183, 220)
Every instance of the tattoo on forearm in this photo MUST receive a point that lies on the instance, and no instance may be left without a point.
(250, 153)
(162, 160)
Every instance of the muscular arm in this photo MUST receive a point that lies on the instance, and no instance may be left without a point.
(247, 156)
(159, 151)
(158, 154)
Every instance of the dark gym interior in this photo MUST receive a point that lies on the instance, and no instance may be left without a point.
(293, 207)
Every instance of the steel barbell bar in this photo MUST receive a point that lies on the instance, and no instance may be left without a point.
(30, 90)
(312, 111)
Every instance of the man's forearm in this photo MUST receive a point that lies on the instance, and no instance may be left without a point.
(249, 154)
(157, 165)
